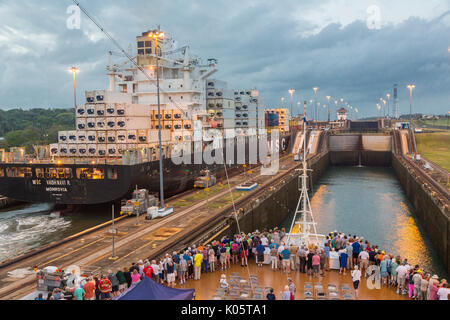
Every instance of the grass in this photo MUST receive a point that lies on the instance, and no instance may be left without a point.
(438, 122)
(435, 146)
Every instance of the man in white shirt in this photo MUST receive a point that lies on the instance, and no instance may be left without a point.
(356, 278)
(443, 292)
(401, 275)
(264, 241)
(364, 261)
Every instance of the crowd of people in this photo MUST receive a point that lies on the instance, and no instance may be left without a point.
(267, 247)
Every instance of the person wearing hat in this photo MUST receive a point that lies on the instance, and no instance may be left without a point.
(417, 278)
(223, 282)
(356, 278)
(433, 288)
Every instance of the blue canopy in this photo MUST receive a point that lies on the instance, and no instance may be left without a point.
(147, 289)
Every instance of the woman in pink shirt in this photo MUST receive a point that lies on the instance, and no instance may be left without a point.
(135, 277)
(316, 264)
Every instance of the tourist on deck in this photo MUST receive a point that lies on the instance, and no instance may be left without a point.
(97, 289)
(343, 258)
(260, 254)
(363, 258)
(89, 290)
(212, 259)
(235, 252)
(286, 293)
(323, 262)
(228, 255)
(433, 281)
(205, 261)
(271, 295)
(105, 287)
(417, 278)
(170, 273)
(181, 271)
(316, 264)
(309, 262)
(384, 265)
(114, 283)
(274, 257)
(349, 249)
(356, 278)
(285, 255)
(293, 256)
(424, 287)
(197, 265)
(244, 252)
(292, 288)
(356, 249)
(443, 292)
(156, 270)
(135, 277)
(401, 277)
(79, 293)
(433, 289)
(122, 281)
(302, 257)
(223, 282)
(148, 271)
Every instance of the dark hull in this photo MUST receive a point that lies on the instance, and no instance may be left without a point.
(177, 178)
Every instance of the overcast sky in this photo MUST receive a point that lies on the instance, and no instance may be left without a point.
(351, 49)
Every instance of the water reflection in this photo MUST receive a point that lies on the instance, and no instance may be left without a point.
(370, 202)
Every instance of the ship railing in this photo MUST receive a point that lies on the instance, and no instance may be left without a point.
(63, 161)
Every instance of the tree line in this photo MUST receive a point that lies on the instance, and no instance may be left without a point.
(25, 128)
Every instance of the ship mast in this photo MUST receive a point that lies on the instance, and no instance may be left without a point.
(306, 225)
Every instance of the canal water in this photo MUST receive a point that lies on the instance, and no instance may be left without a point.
(29, 226)
(370, 202)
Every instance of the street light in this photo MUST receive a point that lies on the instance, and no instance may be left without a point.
(315, 99)
(157, 34)
(291, 92)
(410, 87)
(388, 95)
(328, 98)
(74, 71)
(379, 109)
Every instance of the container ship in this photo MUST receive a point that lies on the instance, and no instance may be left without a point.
(114, 146)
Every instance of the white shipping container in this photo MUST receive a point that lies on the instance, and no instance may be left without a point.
(81, 123)
(100, 110)
(177, 125)
(101, 123)
(138, 110)
(187, 135)
(166, 135)
(111, 136)
(91, 136)
(111, 122)
(134, 123)
(101, 150)
(63, 149)
(131, 146)
(72, 136)
(90, 123)
(62, 137)
(120, 109)
(81, 111)
(177, 136)
(92, 149)
(112, 149)
(90, 110)
(131, 136)
(152, 136)
(142, 136)
(81, 136)
(121, 136)
(110, 109)
(54, 149)
(82, 149)
(121, 147)
(121, 122)
(101, 136)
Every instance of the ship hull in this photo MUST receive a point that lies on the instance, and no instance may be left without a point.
(118, 180)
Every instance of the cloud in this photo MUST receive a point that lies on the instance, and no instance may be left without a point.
(258, 43)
